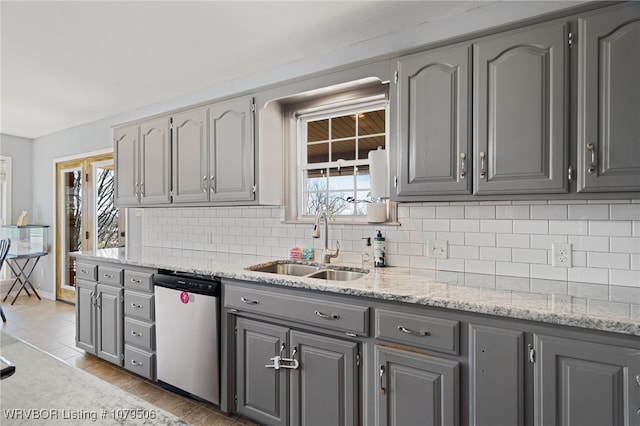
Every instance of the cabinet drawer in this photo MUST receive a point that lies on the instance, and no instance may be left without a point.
(140, 334)
(418, 330)
(138, 281)
(107, 275)
(86, 271)
(331, 315)
(139, 305)
(140, 362)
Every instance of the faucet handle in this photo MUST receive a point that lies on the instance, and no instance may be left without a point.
(335, 253)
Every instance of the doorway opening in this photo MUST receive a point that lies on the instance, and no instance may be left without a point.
(87, 218)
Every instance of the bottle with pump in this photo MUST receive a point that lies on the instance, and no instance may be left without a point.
(379, 250)
(367, 254)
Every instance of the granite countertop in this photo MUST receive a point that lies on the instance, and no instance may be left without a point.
(524, 298)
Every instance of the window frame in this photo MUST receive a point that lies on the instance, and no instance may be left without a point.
(303, 117)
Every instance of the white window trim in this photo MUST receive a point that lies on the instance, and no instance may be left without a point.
(5, 202)
(293, 210)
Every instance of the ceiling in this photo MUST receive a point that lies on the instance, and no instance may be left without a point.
(69, 63)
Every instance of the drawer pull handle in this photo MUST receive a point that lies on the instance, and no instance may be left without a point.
(483, 172)
(133, 333)
(463, 165)
(133, 280)
(249, 301)
(383, 391)
(107, 275)
(84, 271)
(325, 316)
(134, 362)
(592, 149)
(638, 379)
(413, 332)
(135, 305)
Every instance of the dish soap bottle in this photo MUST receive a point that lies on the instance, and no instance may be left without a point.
(367, 254)
(379, 250)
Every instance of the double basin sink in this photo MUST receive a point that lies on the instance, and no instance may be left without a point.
(319, 271)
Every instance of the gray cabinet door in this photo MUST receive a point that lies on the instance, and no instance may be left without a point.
(496, 376)
(585, 384)
(109, 339)
(519, 102)
(155, 166)
(231, 150)
(85, 316)
(432, 103)
(608, 136)
(125, 144)
(415, 389)
(189, 148)
(261, 391)
(324, 387)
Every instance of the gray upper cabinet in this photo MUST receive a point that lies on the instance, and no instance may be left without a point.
(189, 156)
(415, 389)
(125, 142)
(581, 383)
(155, 164)
(231, 150)
(519, 103)
(608, 136)
(432, 101)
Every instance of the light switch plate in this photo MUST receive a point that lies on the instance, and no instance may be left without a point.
(438, 249)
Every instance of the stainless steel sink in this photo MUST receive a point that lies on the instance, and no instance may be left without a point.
(323, 272)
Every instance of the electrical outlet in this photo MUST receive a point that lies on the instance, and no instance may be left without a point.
(438, 249)
(562, 254)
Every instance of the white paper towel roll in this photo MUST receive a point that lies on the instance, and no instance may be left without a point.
(378, 172)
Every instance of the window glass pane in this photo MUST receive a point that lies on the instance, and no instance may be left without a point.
(314, 202)
(317, 153)
(342, 179)
(107, 220)
(338, 204)
(315, 180)
(369, 144)
(343, 127)
(318, 130)
(371, 122)
(343, 150)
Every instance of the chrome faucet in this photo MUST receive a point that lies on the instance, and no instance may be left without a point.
(327, 253)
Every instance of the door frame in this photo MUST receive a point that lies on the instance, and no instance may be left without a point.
(54, 251)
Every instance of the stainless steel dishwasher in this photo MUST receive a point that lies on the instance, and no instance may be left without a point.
(187, 334)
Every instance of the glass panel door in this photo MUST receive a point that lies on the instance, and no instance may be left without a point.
(87, 217)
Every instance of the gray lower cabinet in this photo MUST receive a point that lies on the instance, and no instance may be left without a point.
(415, 389)
(580, 383)
(99, 320)
(318, 387)
(496, 376)
(139, 324)
(519, 103)
(608, 134)
(432, 100)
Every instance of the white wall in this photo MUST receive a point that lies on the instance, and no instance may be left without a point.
(97, 135)
(20, 151)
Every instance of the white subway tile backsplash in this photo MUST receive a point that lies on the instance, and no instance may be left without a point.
(531, 226)
(625, 211)
(549, 211)
(624, 278)
(602, 308)
(569, 227)
(589, 211)
(610, 228)
(624, 294)
(625, 245)
(512, 239)
(608, 260)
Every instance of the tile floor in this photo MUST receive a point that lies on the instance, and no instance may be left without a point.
(50, 326)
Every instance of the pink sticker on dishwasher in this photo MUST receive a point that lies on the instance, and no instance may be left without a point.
(184, 297)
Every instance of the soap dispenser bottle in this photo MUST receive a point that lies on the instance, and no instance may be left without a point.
(379, 250)
(367, 254)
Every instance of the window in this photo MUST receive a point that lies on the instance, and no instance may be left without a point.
(333, 148)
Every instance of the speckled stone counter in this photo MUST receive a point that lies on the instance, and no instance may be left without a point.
(545, 301)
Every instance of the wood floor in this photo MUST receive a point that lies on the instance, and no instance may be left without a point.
(50, 326)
